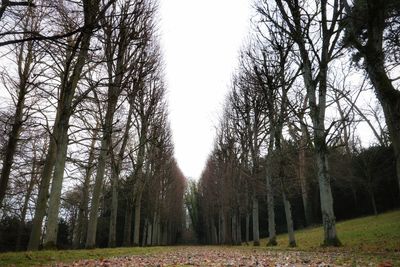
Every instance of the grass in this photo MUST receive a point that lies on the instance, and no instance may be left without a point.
(377, 234)
(377, 237)
(52, 256)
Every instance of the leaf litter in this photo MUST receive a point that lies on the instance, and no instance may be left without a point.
(231, 256)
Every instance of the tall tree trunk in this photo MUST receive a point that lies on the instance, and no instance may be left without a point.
(149, 233)
(138, 206)
(238, 230)
(214, 237)
(256, 229)
(82, 219)
(144, 236)
(28, 194)
(69, 83)
(289, 220)
(115, 172)
(41, 202)
(328, 217)
(127, 241)
(101, 165)
(55, 193)
(234, 228)
(222, 227)
(114, 207)
(247, 228)
(270, 191)
(302, 176)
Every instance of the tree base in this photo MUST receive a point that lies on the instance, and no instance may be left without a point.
(292, 244)
(50, 246)
(256, 243)
(272, 242)
(333, 242)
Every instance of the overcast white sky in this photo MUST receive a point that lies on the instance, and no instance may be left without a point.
(201, 41)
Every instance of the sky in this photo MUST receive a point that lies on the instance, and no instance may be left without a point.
(200, 40)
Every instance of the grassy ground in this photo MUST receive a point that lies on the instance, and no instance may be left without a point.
(49, 256)
(372, 234)
(375, 237)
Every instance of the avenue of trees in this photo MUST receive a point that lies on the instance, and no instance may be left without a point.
(291, 151)
(86, 150)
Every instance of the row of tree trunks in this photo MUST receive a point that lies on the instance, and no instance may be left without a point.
(82, 221)
(57, 150)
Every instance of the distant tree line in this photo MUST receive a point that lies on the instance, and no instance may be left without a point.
(87, 157)
(288, 151)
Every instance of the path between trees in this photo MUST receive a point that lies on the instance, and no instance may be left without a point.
(232, 256)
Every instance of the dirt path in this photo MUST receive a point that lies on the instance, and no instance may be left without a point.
(229, 256)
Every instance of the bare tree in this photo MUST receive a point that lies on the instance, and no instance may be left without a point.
(371, 28)
(316, 49)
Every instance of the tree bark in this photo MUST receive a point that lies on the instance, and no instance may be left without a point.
(69, 83)
(302, 177)
(55, 193)
(115, 172)
(256, 229)
(28, 194)
(41, 202)
(127, 240)
(247, 228)
(138, 206)
(101, 165)
(289, 220)
(82, 219)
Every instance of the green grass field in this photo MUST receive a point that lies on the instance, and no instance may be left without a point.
(377, 237)
(372, 234)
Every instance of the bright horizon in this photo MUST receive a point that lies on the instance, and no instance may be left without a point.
(201, 40)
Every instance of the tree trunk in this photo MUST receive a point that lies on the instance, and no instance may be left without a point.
(302, 177)
(149, 233)
(234, 228)
(128, 224)
(50, 240)
(64, 109)
(289, 220)
(328, 217)
(82, 220)
(115, 172)
(214, 237)
(114, 208)
(144, 236)
(256, 229)
(270, 191)
(26, 202)
(93, 214)
(222, 228)
(155, 229)
(373, 202)
(138, 206)
(238, 231)
(41, 202)
(247, 228)
(271, 212)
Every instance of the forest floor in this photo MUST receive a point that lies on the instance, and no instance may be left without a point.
(368, 241)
